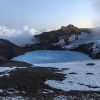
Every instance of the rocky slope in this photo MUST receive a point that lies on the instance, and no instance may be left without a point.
(9, 50)
(55, 36)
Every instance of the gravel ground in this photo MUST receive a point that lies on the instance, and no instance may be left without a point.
(28, 83)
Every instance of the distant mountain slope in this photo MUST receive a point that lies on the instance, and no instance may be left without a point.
(56, 35)
(69, 37)
(9, 50)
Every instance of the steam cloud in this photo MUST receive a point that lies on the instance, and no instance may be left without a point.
(97, 12)
(19, 37)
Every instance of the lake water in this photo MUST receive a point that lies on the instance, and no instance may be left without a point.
(48, 56)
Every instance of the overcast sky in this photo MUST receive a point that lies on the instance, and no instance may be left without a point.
(46, 13)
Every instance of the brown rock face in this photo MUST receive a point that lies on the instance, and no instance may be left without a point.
(55, 36)
(70, 28)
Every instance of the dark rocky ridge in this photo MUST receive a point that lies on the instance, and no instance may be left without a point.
(63, 32)
(7, 63)
(9, 50)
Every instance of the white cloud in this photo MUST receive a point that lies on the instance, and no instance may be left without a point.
(20, 37)
(43, 30)
(25, 28)
(33, 31)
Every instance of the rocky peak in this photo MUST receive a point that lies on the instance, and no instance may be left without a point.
(55, 36)
(70, 28)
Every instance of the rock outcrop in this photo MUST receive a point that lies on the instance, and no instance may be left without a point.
(57, 35)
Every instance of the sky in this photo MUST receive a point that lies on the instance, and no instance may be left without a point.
(40, 14)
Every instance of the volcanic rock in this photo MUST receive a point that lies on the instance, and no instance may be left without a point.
(62, 33)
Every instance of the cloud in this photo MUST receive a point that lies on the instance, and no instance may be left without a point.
(42, 30)
(96, 5)
(21, 37)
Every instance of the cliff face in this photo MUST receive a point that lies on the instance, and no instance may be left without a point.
(50, 37)
(57, 35)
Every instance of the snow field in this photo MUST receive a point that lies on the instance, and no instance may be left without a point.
(79, 75)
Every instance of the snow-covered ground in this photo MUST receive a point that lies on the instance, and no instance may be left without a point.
(48, 56)
(82, 39)
(5, 70)
(80, 75)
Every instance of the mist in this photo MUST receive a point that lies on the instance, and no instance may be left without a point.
(21, 37)
(96, 6)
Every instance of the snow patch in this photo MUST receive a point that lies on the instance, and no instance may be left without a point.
(15, 98)
(85, 38)
(79, 76)
(1, 91)
(3, 69)
(82, 39)
(6, 70)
